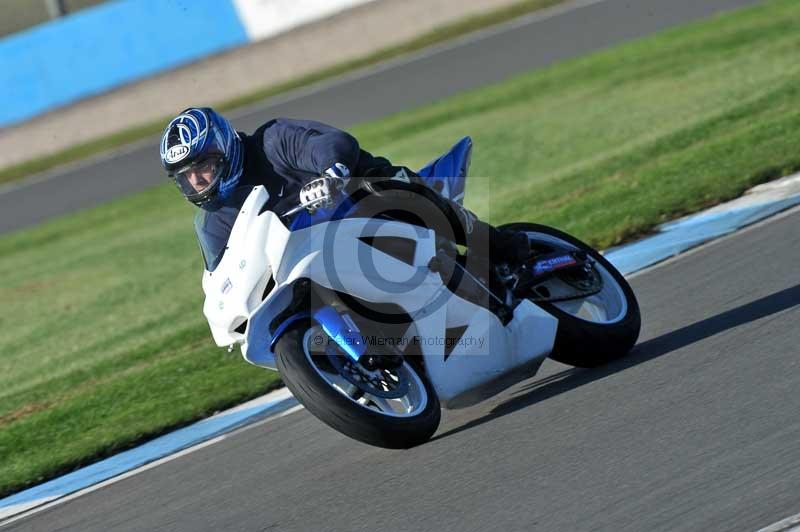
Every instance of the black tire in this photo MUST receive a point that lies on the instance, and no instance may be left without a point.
(337, 411)
(579, 342)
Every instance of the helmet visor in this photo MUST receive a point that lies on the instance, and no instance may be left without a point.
(199, 179)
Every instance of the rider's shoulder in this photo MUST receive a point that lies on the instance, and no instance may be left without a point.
(284, 123)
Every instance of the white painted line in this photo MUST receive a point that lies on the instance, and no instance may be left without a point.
(790, 524)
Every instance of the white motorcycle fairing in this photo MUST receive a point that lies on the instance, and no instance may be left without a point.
(253, 284)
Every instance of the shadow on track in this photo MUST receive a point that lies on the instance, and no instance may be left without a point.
(570, 379)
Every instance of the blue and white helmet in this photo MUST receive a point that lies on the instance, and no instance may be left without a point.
(203, 154)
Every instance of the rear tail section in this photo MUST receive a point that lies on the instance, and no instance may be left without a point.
(448, 173)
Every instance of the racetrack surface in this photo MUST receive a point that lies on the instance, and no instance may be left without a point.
(566, 31)
(697, 429)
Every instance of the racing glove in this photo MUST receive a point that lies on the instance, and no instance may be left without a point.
(321, 192)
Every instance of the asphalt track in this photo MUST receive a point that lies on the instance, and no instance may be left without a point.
(569, 30)
(696, 430)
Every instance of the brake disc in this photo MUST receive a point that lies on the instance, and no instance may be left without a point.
(385, 383)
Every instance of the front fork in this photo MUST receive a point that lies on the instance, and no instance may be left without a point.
(345, 333)
(341, 329)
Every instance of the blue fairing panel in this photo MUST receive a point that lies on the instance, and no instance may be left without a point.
(450, 170)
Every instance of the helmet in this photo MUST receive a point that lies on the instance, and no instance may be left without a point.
(203, 154)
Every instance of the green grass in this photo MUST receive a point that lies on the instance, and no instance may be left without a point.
(609, 145)
(104, 343)
(127, 136)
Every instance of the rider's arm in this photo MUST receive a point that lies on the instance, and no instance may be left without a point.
(306, 149)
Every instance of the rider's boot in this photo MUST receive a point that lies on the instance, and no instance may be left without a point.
(499, 246)
(488, 251)
(510, 247)
(483, 239)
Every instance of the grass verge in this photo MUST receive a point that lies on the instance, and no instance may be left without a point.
(127, 136)
(104, 344)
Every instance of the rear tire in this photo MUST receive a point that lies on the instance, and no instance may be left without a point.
(341, 412)
(580, 342)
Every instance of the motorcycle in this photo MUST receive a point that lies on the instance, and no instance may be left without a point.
(375, 325)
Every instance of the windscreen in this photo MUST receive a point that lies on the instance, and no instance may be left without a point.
(213, 224)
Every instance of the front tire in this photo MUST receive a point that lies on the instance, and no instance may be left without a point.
(600, 328)
(393, 424)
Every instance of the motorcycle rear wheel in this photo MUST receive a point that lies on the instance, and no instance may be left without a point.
(397, 423)
(597, 329)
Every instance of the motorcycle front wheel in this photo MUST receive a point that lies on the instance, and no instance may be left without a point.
(595, 329)
(390, 408)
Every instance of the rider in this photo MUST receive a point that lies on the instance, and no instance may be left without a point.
(211, 163)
